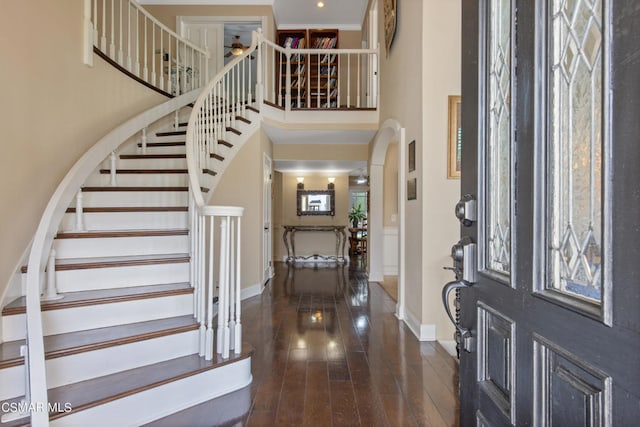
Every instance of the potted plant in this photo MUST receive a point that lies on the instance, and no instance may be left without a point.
(356, 215)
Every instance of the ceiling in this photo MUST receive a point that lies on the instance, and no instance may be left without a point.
(341, 14)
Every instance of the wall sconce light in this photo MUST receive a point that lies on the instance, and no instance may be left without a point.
(331, 185)
(300, 180)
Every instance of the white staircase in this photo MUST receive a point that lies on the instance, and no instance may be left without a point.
(122, 344)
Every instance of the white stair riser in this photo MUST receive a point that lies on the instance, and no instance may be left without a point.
(121, 277)
(172, 149)
(101, 316)
(133, 198)
(149, 164)
(11, 382)
(139, 180)
(100, 221)
(120, 246)
(158, 402)
(92, 364)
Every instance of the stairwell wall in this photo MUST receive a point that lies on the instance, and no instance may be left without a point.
(241, 185)
(53, 109)
(416, 77)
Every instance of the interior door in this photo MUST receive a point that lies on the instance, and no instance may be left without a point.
(548, 265)
(207, 34)
(267, 214)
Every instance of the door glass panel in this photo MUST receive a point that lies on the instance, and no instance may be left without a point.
(574, 168)
(498, 154)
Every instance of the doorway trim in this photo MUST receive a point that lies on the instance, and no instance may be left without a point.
(390, 131)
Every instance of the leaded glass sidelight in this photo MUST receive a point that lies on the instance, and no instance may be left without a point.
(574, 168)
(497, 240)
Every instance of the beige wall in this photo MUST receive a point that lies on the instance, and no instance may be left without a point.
(390, 194)
(286, 201)
(427, 40)
(246, 172)
(53, 109)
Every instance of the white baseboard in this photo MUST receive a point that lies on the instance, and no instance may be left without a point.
(251, 291)
(424, 332)
(450, 346)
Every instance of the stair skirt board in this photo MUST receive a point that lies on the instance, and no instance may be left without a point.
(100, 316)
(120, 246)
(134, 198)
(163, 400)
(100, 221)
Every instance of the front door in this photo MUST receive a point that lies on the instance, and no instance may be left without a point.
(549, 326)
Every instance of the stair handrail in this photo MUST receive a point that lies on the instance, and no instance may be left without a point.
(135, 46)
(47, 229)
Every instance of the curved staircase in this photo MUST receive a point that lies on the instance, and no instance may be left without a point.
(122, 345)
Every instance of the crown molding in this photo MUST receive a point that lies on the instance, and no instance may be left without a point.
(342, 27)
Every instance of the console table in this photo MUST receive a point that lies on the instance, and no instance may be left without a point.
(289, 240)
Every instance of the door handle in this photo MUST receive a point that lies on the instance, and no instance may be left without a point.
(463, 335)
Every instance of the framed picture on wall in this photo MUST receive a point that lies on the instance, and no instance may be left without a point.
(455, 137)
(390, 21)
(412, 191)
(412, 156)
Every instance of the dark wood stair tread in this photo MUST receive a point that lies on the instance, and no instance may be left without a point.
(62, 345)
(144, 171)
(171, 133)
(251, 108)
(217, 157)
(90, 393)
(164, 144)
(225, 143)
(121, 233)
(233, 130)
(152, 156)
(131, 209)
(116, 188)
(111, 262)
(101, 296)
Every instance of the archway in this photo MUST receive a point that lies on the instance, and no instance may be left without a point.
(390, 131)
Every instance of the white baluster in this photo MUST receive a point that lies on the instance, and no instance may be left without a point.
(51, 291)
(287, 93)
(338, 80)
(137, 70)
(120, 41)
(358, 85)
(161, 60)
(209, 341)
(129, 63)
(143, 141)
(232, 287)
(113, 169)
(201, 283)
(238, 327)
(88, 34)
(222, 294)
(79, 211)
(145, 68)
(95, 23)
(112, 45)
(103, 39)
(169, 79)
(227, 261)
(348, 80)
(259, 83)
(153, 55)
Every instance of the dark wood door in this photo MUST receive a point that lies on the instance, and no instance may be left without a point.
(550, 329)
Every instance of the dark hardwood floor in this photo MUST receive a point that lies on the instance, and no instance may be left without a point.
(330, 352)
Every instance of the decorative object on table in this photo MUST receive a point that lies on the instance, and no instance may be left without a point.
(412, 156)
(412, 190)
(455, 137)
(356, 215)
(390, 22)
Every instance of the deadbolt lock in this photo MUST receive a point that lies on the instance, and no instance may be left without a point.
(467, 210)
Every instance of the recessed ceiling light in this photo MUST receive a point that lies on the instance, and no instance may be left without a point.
(320, 3)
